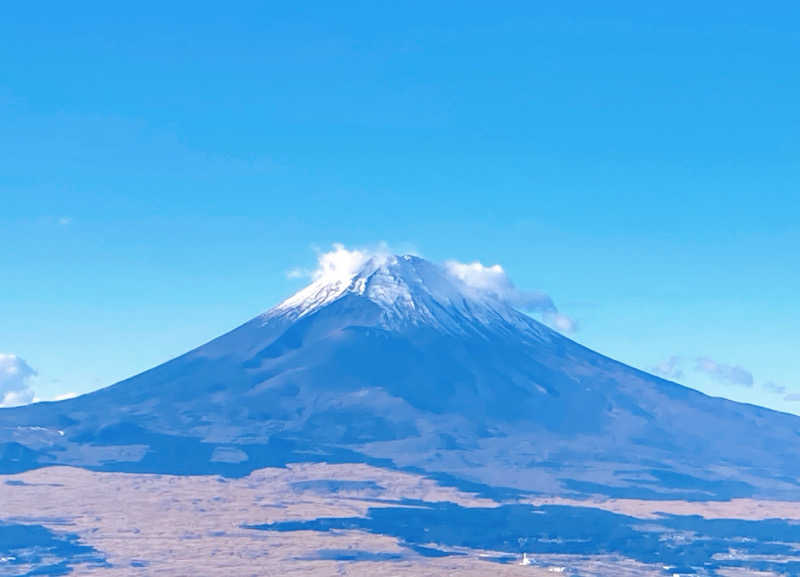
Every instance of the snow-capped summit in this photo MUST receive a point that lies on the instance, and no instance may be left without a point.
(411, 291)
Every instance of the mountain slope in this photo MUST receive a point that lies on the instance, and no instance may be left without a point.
(399, 361)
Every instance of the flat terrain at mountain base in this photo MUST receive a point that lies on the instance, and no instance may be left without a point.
(354, 519)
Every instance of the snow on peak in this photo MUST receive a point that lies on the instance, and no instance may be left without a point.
(341, 272)
(412, 291)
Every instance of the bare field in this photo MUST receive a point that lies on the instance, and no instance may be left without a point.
(746, 509)
(195, 525)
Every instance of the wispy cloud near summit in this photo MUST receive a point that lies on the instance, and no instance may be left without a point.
(494, 280)
(341, 263)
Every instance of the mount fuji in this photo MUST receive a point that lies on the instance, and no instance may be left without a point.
(404, 363)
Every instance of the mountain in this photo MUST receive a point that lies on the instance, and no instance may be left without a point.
(402, 363)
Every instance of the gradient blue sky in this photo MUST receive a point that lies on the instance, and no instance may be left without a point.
(162, 166)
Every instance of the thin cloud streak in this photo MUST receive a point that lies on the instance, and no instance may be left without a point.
(721, 372)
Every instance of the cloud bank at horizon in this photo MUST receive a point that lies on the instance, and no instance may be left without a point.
(15, 377)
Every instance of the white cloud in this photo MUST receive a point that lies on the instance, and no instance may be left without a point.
(477, 275)
(65, 396)
(774, 387)
(672, 368)
(560, 322)
(298, 273)
(15, 376)
(494, 280)
(341, 264)
(17, 398)
(732, 374)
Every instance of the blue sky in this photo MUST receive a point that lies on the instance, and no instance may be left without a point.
(161, 169)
